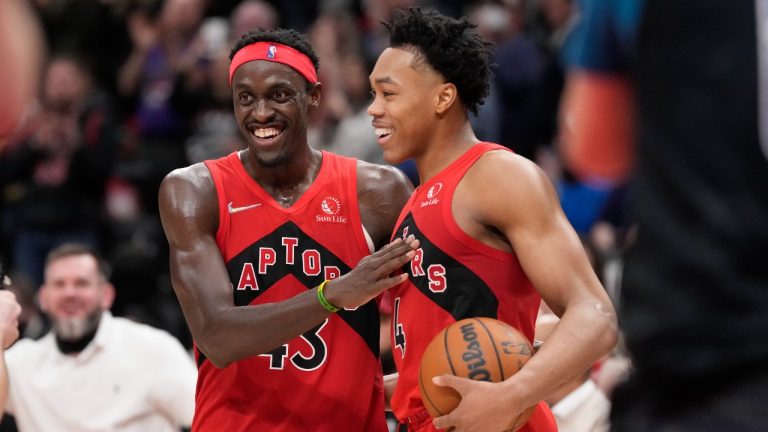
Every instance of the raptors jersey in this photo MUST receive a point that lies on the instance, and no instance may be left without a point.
(451, 277)
(329, 378)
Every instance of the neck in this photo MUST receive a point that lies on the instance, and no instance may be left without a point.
(286, 181)
(75, 346)
(445, 146)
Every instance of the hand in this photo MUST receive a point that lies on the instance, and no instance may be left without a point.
(143, 32)
(372, 275)
(483, 406)
(9, 318)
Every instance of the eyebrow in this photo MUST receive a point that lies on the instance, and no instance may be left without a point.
(248, 85)
(384, 80)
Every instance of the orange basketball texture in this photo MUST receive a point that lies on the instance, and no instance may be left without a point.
(483, 349)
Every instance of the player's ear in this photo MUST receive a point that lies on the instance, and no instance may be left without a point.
(446, 97)
(314, 93)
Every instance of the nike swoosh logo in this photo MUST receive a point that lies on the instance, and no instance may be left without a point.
(239, 209)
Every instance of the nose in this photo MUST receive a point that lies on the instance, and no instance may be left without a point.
(262, 111)
(374, 109)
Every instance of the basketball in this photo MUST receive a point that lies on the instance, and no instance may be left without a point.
(483, 349)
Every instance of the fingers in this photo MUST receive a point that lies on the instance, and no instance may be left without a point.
(444, 422)
(393, 255)
(389, 282)
(396, 248)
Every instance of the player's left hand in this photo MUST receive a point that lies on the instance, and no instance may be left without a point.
(479, 409)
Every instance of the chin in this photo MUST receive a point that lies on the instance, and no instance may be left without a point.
(275, 161)
(393, 157)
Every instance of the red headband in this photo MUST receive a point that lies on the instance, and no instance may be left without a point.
(274, 52)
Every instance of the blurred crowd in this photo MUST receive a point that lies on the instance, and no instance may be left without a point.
(131, 89)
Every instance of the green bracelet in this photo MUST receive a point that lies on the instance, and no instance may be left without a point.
(324, 301)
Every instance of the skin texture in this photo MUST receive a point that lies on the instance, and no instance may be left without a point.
(430, 123)
(271, 95)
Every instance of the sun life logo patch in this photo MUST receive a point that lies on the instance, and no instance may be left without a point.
(331, 207)
(432, 193)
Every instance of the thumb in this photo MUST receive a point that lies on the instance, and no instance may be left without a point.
(461, 385)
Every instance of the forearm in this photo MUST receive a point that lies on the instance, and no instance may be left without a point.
(586, 331)
(231, 333)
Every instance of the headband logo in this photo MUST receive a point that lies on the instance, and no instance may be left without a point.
(271, 52)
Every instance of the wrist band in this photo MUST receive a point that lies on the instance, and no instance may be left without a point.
(324, 301)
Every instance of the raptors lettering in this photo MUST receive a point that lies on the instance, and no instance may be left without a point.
(435, 273)
(311, 263)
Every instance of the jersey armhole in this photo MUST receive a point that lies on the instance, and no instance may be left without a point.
(458, 234)
(223, 222)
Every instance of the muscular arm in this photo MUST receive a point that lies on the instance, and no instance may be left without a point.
(225, 332)
(554, 260)
(523, 207)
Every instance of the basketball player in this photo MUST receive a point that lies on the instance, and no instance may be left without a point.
(267, 243)
(695, 290)
(494, 240)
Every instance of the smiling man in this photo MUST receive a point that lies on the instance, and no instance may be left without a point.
(271, 258)
(494, 240)
(93, 371)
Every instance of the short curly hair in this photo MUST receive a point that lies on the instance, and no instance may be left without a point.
(451, 47)
(289, 37)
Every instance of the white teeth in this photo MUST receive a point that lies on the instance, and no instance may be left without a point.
(380, 132)
(266, 132)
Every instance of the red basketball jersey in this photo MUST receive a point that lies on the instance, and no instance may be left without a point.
(452, 277)
(329, 378)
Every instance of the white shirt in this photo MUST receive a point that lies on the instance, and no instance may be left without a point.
(585, 409)
(131, 377)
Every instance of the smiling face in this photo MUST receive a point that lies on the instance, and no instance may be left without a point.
(271, 105)
(405, 105)
(74, 295)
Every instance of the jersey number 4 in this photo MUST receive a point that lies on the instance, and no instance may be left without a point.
(398, 328)
(319, 352)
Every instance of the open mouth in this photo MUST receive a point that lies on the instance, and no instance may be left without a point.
(382, 133)
(265, 135)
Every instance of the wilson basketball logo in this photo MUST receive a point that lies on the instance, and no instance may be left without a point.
(331, 207)
(432, 193)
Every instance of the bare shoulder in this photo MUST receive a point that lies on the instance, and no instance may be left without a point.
(381, 179)
(510, 172)
(382, 192)
(187, 199)
(196, 176)
(504, 185)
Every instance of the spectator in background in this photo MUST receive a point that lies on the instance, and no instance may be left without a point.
(518, 77)
(250, 15)
(165, 48)
(60, 169)
(93, 371)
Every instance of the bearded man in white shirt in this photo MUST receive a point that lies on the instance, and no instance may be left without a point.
(93, 371)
